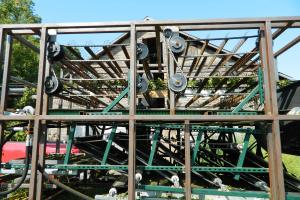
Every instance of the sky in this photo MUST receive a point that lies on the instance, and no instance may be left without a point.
(117, 10)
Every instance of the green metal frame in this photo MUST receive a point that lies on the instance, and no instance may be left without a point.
(246, 100)
(146, 168)
(116, 100)
(243, 153)
(70, 143)
(153, 146)
(196, 147)
(261, 87)
(203, 191)
(108, 145)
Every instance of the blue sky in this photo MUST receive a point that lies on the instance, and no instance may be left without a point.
(117, 10)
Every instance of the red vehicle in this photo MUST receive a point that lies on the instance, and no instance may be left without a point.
(16, 150)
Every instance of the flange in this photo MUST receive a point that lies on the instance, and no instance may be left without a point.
(177, 44)
(177, 82)
(142, 51)
(53, 85)
(142, 84)
(55, 51)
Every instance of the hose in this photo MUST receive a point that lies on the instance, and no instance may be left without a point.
(63, 186)
(25, 172)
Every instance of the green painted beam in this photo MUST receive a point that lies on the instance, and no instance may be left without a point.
(116, 100)
(70, 143)
(153, 146)
(243, 154)
(196, 147)
(261, 87)
(246, 100)
(146, 168)
(138, 112)
(108, 145)
(205, 191)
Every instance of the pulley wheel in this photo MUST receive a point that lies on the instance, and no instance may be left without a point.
(177, 44)
(142, 84)
(177, 82)
(142, 51)
(55, 51)
(53, 85)
(168, 32)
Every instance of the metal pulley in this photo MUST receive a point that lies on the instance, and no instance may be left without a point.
(177, 82)
(142, 84)
(55, 51)
(177, 44)
(168, 32)
(142, 51)
(53, 85)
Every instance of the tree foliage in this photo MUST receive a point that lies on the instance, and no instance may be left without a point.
(17, 11)
(24, 63)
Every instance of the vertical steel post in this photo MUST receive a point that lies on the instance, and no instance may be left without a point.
(5, 77)
(2, 109)
(38, 111)
(171, 93)
(271, 108)
(132, 112)
(187, 147)
(43, 137)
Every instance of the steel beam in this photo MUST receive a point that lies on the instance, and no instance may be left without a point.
(71, 134)
(187, 167)
(153, 146)
(274, 144)
(37, 123)
(108, 145)
(171, 93)
(5, 77)
(132, 112)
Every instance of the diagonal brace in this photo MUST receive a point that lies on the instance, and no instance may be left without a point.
(70, 143)
(109, 143)
(243, 154)
(153, 147)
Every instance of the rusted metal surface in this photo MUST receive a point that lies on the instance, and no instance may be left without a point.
(118, 69)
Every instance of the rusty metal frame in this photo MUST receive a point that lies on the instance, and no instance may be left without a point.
(40, 118)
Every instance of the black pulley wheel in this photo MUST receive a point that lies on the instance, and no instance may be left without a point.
(142, 84)
(142, 51)
(177, 44)
(177, 82)
(55, 51)
(53, 86)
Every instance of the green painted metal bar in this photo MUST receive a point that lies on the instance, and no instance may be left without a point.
(200, 128)
(243, 154)
(153, 146)
(246, 100)
(205, 191)
(230, 169)
(147, 168)
(139, 112)
(237, 113)
(257, 194)
(261, 87)
(108, 145)
(196, 147)
(70, 143)
(116, 100)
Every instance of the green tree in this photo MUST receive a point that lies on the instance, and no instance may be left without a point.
(24, 62)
